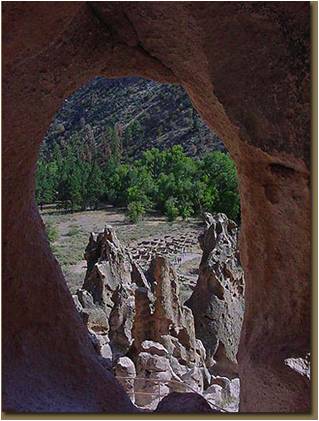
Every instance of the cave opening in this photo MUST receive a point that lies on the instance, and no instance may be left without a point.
(141, 208)
(238, 81)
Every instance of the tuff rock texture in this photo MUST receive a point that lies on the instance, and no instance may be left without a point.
(246, 68)
(218, 298)
(143, 310)
(109, 281)
(149, 339)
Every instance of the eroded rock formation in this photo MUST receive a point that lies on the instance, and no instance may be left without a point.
(218, 299)
(246, 67)
(149, 338)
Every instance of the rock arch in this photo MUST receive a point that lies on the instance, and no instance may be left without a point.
(246, 68)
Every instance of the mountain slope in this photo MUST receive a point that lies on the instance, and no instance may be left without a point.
(145, 114)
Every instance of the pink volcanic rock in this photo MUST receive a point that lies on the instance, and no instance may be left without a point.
(246, 68)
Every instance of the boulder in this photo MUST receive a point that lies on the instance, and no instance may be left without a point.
(106, 352)
(178, 369)
(301, 365)
(77, 303)
(224, 394)
(176, 349)
(124, 367)
(184, 403)
(154, 348)
(102, 347)
(85, 298)
(221, 381)
(125, 372)
(194, 379)
(153, 377)
(214, 395)
(92, 314)
(152, 363)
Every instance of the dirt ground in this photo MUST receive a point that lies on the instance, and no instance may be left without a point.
(71, 233)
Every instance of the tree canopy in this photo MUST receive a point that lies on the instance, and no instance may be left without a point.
(168, 181)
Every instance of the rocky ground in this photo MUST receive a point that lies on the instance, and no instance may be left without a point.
(163, 310)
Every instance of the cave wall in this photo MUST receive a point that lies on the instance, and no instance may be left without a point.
(245, 66)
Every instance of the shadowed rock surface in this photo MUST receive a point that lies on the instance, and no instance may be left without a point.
(184, 402)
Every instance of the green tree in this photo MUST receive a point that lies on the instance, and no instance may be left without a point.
(221, 172)
(171, 209)
(136, 211)
(112, 138)
(168, 181)
(94, 187)
(186, 210)
(72, 182)
(46, 182)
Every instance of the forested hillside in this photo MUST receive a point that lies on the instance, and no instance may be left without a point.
(138, 144)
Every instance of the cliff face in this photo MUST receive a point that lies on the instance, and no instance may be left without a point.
(145, 114)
